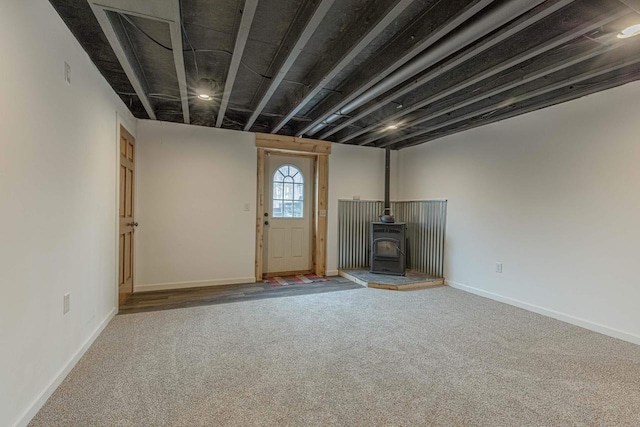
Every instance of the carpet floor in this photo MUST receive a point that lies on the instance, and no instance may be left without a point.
(361, 357)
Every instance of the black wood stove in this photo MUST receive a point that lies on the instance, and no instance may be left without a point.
(388, 249)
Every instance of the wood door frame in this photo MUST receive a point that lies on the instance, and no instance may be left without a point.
(319, 151)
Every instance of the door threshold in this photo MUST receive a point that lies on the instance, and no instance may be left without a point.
(287, 273)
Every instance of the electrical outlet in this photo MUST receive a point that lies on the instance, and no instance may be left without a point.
(247, 207)
(498, 267)
(66, 303)
(67, 73)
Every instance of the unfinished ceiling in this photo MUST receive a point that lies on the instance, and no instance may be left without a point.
(385, 73)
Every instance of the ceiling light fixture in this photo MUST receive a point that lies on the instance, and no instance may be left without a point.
(631, 31)
(391, 127)
(205, 89)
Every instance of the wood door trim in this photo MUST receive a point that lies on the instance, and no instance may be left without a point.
(321, 218)
(260, 215)
(290, 143)
(319, 151)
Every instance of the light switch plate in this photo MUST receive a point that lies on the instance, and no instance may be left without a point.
(66, 303)
(67, 73)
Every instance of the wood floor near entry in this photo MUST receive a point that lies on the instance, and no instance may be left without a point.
(183, 298)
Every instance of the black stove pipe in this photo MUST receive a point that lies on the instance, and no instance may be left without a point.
(386, 215)
(387, 180)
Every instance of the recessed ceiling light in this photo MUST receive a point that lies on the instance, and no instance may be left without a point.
(205, 89)
(631, 31)
(392, 127)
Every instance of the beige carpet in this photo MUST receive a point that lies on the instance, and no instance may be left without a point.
(362, 357)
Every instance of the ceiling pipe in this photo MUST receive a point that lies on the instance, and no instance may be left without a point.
(478, 29)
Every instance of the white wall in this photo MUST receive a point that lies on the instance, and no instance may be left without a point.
(57, 204)
(554, 195)
(193, 184)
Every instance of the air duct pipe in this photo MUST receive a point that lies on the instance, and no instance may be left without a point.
(503, 14)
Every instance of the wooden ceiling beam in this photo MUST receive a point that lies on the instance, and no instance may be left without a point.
(609, 84)
(511, 101)
(633, 4)
(525, 21)
(491, 72)
(290, 49)
(248, 13)
(323, 75)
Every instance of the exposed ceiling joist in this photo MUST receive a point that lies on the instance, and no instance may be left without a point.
(167, 11)
(633, 4)
(390, 60)
(467, 35)
(554, 68)
(503, 104)
(123, 54)
(248, 13)
(289, 52)
(537, 106)
(519, 59)
(363, 64)
(510, 30)
(323, 75)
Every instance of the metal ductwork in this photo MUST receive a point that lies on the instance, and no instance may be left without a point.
(479, 28)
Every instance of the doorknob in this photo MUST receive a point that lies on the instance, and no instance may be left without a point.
(266, 223)
(133, 224)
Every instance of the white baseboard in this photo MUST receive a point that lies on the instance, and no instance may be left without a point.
(596, 327)
(39, 402)
(331, 273)
(196, 284)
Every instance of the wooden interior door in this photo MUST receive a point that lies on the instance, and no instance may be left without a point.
(288, 215)
(126, 212)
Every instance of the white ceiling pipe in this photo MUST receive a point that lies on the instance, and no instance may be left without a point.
(467, 35)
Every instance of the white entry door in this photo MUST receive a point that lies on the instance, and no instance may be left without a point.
(288, 216)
